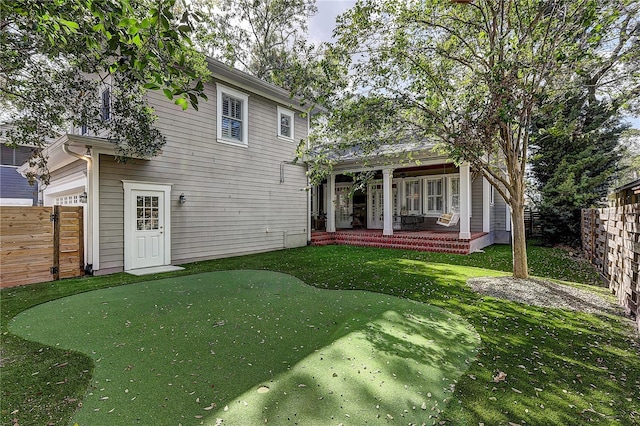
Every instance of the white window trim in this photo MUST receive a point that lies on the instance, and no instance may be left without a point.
(433, 213)
(129, 222)
(450, 178)
(221, 89)
(405, 194)
(292, 116)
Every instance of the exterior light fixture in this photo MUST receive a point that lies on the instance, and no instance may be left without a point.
(83, 197)
(88, 152)
(182, 198)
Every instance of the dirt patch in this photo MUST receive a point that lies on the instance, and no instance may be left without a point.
(544, 293)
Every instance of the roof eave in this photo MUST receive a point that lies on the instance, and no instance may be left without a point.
(230, 75)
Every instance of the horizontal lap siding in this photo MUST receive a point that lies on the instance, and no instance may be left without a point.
(234, 195)
(499, 222)
(16, 186)
(68, 170)
(476, 205)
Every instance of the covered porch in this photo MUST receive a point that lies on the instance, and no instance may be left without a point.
(427, 203)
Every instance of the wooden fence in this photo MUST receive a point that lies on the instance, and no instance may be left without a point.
(532, 224)
(39, 244)
(611, 242)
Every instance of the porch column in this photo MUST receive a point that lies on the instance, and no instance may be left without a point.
(330, 201)
(465, 205)
(387, 185)
(486, 205)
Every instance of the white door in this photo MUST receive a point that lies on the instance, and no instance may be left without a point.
(149, 227)
(376, 207)
(344, 206)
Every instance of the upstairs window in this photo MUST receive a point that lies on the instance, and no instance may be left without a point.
(232, 116)
(285, 123)
(105, 107)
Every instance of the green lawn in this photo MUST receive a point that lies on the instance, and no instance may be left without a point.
(250, 346)
(562, 367)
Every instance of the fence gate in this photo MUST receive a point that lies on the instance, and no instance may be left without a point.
(39, 244)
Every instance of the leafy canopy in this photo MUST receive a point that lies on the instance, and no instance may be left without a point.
(57, 56)
(259, 37)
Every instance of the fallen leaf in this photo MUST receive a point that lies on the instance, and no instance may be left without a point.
(500, 377)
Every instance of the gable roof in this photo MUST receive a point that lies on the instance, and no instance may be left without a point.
(227, 74)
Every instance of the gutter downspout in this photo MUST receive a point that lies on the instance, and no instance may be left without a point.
(89, 231)
(308, 185)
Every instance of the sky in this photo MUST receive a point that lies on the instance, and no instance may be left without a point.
(322, 24)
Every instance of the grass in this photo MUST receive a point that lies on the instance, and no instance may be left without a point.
(197, 348)
(562, 367)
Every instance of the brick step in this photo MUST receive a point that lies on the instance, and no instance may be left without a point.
(394, 239)
(444, 243)
(455, 247)
(408, 237)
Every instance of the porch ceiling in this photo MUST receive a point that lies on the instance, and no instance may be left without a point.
(422, 162)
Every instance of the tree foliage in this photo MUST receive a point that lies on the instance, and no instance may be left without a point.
(55, 55)
(259, 37)
(576, 154)
(576, 131)
(630, 163)
(469, 77)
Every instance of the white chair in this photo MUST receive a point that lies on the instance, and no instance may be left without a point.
(448, 219)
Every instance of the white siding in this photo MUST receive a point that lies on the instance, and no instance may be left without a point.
(68, 170)
(235, 201)
(499, 221)
(476, 205)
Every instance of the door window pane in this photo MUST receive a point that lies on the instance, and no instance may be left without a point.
(147, 213)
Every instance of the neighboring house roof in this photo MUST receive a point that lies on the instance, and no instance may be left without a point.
(8, 125)
(634, 186)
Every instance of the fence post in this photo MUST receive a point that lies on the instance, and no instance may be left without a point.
(55, 270)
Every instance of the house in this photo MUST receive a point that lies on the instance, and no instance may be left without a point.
(15, 189)
(625, 194)
(223, 185)
(422, 201)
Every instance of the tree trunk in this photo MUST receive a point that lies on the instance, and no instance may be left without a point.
(518, 241)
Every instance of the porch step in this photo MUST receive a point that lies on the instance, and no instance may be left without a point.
(322, 238)
(441, 243)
